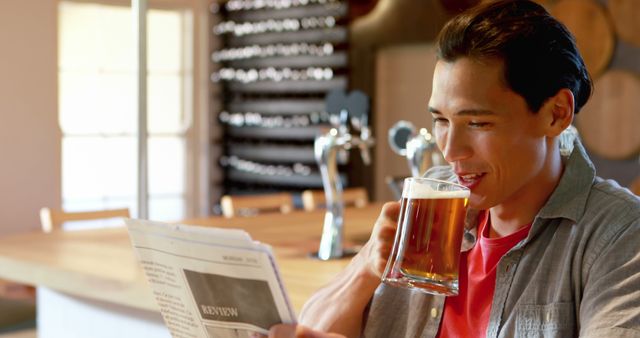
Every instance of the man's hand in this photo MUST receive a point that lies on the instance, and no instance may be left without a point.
(298, 331)
(378, 248)
(339, 306)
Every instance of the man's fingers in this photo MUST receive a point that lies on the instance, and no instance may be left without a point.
(387, 220)
(283, 331)
(298, 331)
(391, 211)
(382, 237)
(305, 332)
(387, 233)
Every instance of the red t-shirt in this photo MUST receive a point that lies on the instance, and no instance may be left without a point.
(467, 314)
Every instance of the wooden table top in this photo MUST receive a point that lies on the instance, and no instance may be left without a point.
(100, 264)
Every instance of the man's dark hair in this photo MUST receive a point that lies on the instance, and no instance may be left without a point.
(539, 53)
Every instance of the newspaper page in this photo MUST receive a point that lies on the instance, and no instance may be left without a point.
(210, 282)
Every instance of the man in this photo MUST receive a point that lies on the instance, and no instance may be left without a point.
(557, 252)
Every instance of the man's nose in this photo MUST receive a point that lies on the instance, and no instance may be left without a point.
(456, 146)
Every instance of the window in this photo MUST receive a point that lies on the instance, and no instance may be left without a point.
(98, 113)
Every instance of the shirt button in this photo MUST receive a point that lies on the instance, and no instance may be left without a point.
(434, 312)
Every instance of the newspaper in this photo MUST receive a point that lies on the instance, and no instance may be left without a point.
(210, 282)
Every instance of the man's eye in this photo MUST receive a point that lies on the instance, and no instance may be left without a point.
(479, 124)
(439, 120)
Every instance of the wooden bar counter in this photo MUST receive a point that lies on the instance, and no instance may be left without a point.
(100, 266)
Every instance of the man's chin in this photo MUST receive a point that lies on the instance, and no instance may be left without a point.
(479, 202)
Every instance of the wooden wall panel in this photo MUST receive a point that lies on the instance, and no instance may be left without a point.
(404, 79)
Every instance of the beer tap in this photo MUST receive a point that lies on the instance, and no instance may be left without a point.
(358, 107)
(423, 153)
(333, 147)
(419, 148)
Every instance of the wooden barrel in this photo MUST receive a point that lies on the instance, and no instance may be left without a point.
(625, 15)
(609, 123)
(589, 23)
(635, 186)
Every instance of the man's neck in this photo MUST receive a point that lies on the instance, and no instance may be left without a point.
(521, 209)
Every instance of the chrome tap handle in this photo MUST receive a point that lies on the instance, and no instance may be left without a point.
(335, 102)
(419, 148)
(325, 151)
(365, 154)
(344, 122)
(331, 148)
(366, 142)
(419, 151)
(398, 136)
(358, 106)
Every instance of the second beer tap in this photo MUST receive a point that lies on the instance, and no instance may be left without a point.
(328, 149)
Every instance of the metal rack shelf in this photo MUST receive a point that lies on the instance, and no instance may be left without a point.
(298, 134)
(271, 152)
(335, 35)
(295, 181)
(290, 86)
(336, 60)
(335, 10)
(277, 106)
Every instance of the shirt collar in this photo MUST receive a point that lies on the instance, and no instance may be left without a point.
(569, 198)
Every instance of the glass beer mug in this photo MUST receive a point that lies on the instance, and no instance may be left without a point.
(426, 249)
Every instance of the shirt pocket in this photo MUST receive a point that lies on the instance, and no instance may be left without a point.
(550, 320)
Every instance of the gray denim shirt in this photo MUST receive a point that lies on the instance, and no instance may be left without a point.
(577, 273)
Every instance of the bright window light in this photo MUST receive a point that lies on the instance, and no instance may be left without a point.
(97, 108)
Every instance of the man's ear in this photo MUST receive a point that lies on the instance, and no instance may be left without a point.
(559, 110)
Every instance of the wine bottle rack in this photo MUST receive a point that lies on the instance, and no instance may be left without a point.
(275, 63)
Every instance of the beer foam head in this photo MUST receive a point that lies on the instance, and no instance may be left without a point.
(425, 190)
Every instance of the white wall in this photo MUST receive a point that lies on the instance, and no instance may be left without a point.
(29, 133)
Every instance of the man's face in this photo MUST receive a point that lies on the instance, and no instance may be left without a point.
(495, 144)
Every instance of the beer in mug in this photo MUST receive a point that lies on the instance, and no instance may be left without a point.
(427, 245)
